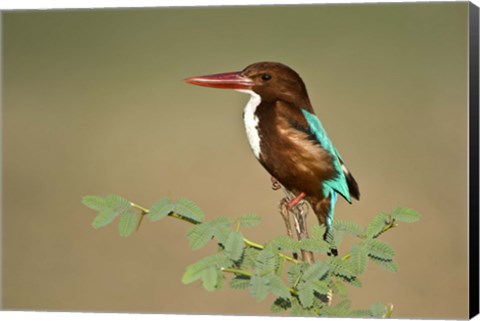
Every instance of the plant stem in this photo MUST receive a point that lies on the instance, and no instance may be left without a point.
(237, 271)
(145, 211)
(141, 208)
(253, 244)
(183, 218)
(387, 227)
(389, 312)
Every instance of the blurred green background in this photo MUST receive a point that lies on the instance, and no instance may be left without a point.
(94, 103)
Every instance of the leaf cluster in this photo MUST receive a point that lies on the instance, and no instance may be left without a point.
(110, 208)
(131, 214)
(267, 269)
(370, 248)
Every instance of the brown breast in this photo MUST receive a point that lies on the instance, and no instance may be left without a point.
(289, 152)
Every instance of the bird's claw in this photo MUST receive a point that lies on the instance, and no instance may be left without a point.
(275, 184)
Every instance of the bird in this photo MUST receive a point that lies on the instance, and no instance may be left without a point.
(287, 137)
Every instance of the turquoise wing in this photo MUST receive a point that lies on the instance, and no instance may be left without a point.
(338, 183)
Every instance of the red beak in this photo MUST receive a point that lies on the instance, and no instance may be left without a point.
(227, 80)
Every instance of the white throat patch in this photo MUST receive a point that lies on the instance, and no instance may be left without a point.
(251, 121)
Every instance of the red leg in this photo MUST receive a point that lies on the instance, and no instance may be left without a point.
(296, 200)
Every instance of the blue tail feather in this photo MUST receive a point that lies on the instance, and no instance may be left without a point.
(331, 212)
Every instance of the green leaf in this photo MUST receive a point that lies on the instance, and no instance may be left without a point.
(344, 304)
(388, 265)
(258, 287)
(114, 206)
(407, 215)
(281, 265)
(360, 313)
(117, 202)
(358, 258)
(221, 227)
(305, 294)
(104, 218)
(378, 249)
(280, 304)
(220, 280)
(199, 235)
(283, 242)
(276, 285)
(221, 221)
(340, 310)
(249, 220)
(319, 301)
(347, 227)
(341, 268)
(94, 202)
(355, 282)
(234, 245)
(299, 311)
(339, 288)
(315, 271)
(295, 273)
(321, 286)
(160, 209)
(209, 278)
(378, 310)
(266, 262)
(195, 270)
(314, 245)
(249, 258)
(330, 311)
(128, 222)
(189, 209)
(337, 238)
(318, 231)
(240, 282)
(377, 225)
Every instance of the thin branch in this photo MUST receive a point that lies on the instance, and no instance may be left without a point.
(145, 211)
(237, 272)
(299, 213)
(183, 218)
(387, 227)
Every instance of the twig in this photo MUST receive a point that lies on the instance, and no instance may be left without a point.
(285, 213)
(387, 227)
(299, 213)
(145, 211)
(237, 272)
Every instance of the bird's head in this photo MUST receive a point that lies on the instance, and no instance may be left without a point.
(272, 81)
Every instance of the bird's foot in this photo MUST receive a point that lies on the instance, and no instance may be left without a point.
(275, 184)
(294, 201)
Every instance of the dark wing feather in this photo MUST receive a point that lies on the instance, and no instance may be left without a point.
(351, 182)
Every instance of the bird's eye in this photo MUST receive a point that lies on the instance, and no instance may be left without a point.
(266, 77)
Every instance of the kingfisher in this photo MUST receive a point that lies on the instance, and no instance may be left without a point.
(286, 136)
